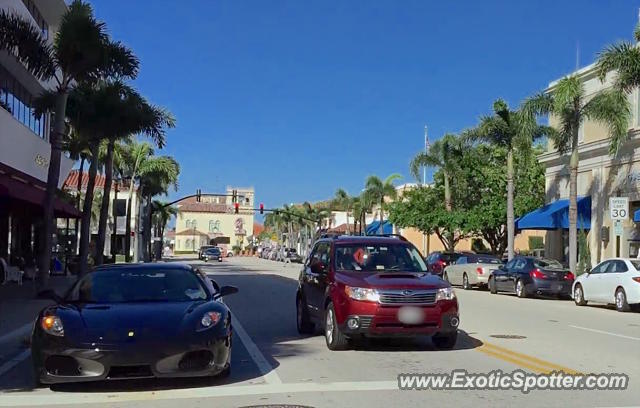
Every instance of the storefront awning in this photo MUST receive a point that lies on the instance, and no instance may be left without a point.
(555, 215)
(636, 216)
(374, 228)
(18, 190)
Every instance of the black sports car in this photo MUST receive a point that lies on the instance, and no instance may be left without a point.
(134, 321)
(212, 254)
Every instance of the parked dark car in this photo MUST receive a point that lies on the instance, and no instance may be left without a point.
(212, 254)
(438, 260)
(134, 321)
(366, 286)
(526, 276)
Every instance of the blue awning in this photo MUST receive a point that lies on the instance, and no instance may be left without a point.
(374, 228)
(636, 216)
(555, 215)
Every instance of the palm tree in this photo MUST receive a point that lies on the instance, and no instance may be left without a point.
(623, 57)
(78, 148)
(162, 174)
(132, 114)
(343, 200)
(569, 105)
(81, 52)
(442, 154)
(508, 129)
(161, 215)
(378, 189)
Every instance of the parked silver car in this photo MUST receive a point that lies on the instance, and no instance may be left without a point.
(471, 270)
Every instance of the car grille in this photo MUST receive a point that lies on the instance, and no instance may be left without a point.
(133, 371)
(393, 297)
(195, 360)
(365, 321)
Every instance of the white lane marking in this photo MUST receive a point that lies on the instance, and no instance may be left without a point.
(46, 397)
(6, 367)
(19, 332)
(606, 332)
(267, 370)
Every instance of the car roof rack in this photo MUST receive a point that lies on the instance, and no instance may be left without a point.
(400, 237)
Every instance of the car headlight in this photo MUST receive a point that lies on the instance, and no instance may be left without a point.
(52, 325)
(210, 319)
(445, 294)
(365, 294)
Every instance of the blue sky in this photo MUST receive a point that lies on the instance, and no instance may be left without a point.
(298, 98)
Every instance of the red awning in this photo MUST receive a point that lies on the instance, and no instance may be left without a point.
(21, 191)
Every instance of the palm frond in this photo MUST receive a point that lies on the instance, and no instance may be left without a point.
(624, 58)
(423, 159)
(611, 108)
(22, 39)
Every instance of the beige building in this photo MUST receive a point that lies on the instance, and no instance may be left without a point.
(213, 219)
(600, 177)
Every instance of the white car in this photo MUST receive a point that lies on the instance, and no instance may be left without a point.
(615, 280)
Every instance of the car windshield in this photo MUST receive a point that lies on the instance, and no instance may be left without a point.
(379, 257)
(547, 264)
(131, 285)
(488, 260)
(213, 251)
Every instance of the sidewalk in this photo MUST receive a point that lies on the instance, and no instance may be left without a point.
(18, 309)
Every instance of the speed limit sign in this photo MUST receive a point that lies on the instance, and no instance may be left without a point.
(619, 208)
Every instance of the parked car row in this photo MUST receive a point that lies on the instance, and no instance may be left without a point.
(613, 281)
(281, 255)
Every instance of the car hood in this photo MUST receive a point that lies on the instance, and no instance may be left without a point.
(392, 280)
(113, 323)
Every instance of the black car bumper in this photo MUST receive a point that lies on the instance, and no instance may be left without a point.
(550, 287)
(369, 326)
(56, 361)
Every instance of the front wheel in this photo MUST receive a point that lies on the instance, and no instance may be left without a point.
(334, 337)
(621, 301)
(303, 321)
(445, 341)
(521, 290)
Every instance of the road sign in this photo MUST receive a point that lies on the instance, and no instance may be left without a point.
(617, 228)
(619, 208)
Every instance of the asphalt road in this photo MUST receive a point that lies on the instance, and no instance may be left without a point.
(273, 365)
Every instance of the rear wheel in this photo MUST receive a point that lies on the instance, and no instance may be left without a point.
(521, 289)
(578, 295)
(302, 317)
(445, 341)
(334, 337)
(621, 301)
(492, 285)
(465, 282)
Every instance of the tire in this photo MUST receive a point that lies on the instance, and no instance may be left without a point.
(445, 276)
(492, 285)
(621, 301)
(445, 341)
(521, 289)
(334, 338)
(465, 282)
(303, 322)
(578, 295)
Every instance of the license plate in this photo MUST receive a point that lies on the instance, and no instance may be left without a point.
(558, 287)
(410, 315)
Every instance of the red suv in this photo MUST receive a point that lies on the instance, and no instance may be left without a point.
(373, 286)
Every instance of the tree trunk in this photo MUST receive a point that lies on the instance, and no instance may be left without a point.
(380, 228)
(127, 238)
(53, 177)
(114, 214)
(510, 215)
(147, 229)
(85, 224)
(448, 207)
(78, 203)
(573, 204)
(104, 208)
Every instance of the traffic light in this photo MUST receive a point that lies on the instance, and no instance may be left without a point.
(237, 207)
(198, 195)
(261, 208)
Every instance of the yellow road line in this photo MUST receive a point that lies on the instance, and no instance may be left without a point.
(523, 360)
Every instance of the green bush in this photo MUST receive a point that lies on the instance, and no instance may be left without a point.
(536, 243)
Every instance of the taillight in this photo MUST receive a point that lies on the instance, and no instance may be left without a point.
(536, 273)
(569, 276)
(479, 270)
(637, 279)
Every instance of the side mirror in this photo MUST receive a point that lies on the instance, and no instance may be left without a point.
(51, 295)
(215, 285)
(227, 290)
(318, 268)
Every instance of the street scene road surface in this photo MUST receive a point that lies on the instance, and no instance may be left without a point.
(274, 365)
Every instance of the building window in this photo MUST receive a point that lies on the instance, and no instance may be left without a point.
(187, 224)
(35, 14)
(194, 224)
(15, 99)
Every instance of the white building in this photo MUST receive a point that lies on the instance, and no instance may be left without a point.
(24, 141)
